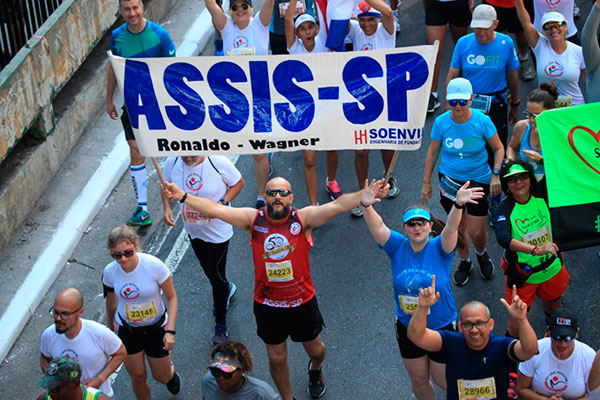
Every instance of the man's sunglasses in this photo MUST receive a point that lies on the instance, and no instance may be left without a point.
(216, 372)
(127, 253)
(549, 25)
(275, 192)
(235, 6)
(564, 338)
(453, 103)
(417, 222)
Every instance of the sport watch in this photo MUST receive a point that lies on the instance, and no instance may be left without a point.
(496, 171)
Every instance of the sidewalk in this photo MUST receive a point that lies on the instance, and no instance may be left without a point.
(41, 247)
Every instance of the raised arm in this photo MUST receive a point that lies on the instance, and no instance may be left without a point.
(238, 217)
(387, 15)
(527, 345)
(432, 154)
(266, 11)
(219, 18)
(531, 34)
(512, 77)
(418, 332)
(290, 31)
(589, 38)
(316, 216)
(465, 195)
(380, 232)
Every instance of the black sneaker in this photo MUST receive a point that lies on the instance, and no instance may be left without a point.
(434, 103)
(394, 191)
(461, 276)
(220, 334)
(316, 384)
(174, 384)
(486, 266)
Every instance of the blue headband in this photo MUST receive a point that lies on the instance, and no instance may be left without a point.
(416, 213)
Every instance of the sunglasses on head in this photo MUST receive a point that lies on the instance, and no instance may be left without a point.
(564, 338)
(244, 6)
(275, 192)
(216, 372)
(417, 222)
(549, 25)
(127, 253)
(453, 103)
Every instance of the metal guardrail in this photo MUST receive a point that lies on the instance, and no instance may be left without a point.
(19, 20)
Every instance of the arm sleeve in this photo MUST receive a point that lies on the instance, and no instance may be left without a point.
(502, 230)
(168, 168)
(353, 30)
(160, 271)
(456, 54)
(109, 340)
(436, 132)
(45, 344)
(167, 47)
(393, 243)
(513, 60)
(589, 39)
(489, 129)
(528, 367)
(230, 174)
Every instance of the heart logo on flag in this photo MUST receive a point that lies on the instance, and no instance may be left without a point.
(595, 135)
(522, 222)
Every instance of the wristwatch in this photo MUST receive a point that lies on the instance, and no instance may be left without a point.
(496, 171)
(224, 202)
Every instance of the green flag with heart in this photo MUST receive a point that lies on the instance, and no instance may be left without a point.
(570, 139)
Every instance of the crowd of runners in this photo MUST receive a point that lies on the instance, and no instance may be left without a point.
(485, 176)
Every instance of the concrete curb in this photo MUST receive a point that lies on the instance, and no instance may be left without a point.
(52, 260)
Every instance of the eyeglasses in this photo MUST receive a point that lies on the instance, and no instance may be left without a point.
(235, 6)
(127, 253)
(530, 115)
(453, 103)
(217, 372)
(417, 222)
(467, 326)
(64, 315)
(518, 177)
(549, 25)
(275, 192)
(564, 338)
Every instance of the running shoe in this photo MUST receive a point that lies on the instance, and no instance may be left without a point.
(462, 274)
(260, 203)
(512, 386)
(140, 217)
(174, 384)
(357, 211)
(333, 189)
(434, 103)
(220, 334)
(576, 11)
(393, 192)
(526, 70)
(486, 266)
(316, 384)
(232, 291)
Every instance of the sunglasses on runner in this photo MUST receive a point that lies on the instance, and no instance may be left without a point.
(453, 103)
(564, 338)
(519, 177)
(275, 192)
(549, 25)
(530, 115)
(216, 372)
(127, 253)
(235, 6)
(417, 222)
(480, 325)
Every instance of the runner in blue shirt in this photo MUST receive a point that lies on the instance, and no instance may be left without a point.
(478, 361)
(416, 257)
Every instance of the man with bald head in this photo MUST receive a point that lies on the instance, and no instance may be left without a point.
(284, 295)
(477, 361)
(98, 350)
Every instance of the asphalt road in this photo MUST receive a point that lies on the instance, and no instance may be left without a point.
(351, 275)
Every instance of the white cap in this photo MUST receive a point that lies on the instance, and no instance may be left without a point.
(484, 16)
(303, 18)
(552, 16)
(459, 89)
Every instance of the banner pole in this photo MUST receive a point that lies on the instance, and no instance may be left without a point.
(158, 170)
(391, 168)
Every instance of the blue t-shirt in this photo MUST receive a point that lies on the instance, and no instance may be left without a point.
(485, 65)
(412, 271)
(153, 41)
(463, 156)
(465, 363)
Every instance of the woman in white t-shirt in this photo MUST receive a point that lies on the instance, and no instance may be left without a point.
(561, 368)
(558, 60)
(214, 178)
(135, 310)
(246, 35)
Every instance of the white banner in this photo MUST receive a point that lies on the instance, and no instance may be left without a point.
(258, 104)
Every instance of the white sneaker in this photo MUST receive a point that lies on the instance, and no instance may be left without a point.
(357, 211)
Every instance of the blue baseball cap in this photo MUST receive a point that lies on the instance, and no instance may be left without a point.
(416, 213)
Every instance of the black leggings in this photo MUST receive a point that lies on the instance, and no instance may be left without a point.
(213, 258)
